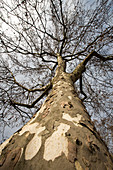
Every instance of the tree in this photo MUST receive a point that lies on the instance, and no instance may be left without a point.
(44, 36)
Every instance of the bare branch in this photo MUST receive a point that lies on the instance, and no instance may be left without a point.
(31, 90)
(94, 53)
(13, 103)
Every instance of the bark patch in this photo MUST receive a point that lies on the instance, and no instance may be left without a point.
(31, 128)
(34, 145)
(57, 143)
(75, 120)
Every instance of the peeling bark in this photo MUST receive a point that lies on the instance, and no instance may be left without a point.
(59, 136)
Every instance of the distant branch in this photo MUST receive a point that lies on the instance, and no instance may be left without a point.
(75, 55)
(13, 103)
(30, 90)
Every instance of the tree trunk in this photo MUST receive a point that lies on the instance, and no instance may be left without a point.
(60, 136)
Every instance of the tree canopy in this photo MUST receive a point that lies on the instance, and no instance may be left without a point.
(32, 35)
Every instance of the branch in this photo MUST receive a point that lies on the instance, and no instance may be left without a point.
(106, 31)
(94, 53)
(19, 110)
(75, 75)
(56, 12)
(13, 103)
(30, 90)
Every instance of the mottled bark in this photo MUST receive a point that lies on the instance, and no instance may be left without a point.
(60, 136)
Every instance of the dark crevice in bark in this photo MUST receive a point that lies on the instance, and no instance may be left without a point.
(92, 130)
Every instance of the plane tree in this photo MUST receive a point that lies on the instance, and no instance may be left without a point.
(63, 51)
